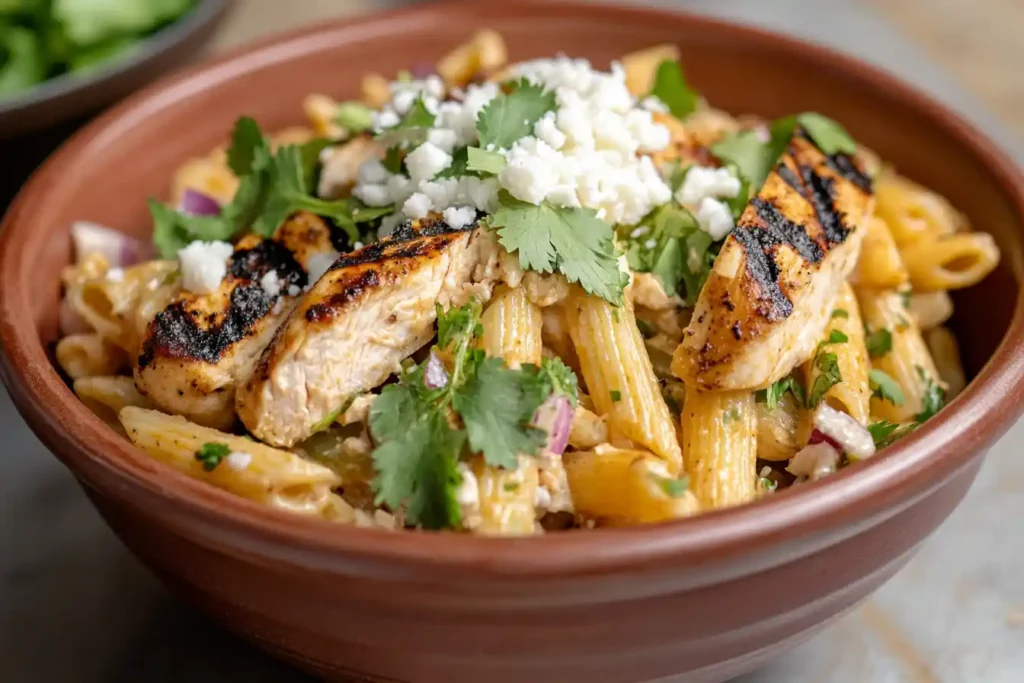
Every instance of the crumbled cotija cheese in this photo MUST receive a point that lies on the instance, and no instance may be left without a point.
(271, 283)
(238, 461)
(460, 217)
(204, 265)
(705, 181)
(714, 218)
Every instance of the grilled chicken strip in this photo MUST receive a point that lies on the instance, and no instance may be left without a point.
(769, 295)
(370, 311)
(201, 346)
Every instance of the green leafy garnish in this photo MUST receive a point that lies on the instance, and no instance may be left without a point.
(828, 135)
(767, 485)
(933, 399)
(837, 337)
(773, 394)
(211, 455)
(559, 379)
(747, 153)
(840, 313)
(885, 387)
(574, 242)
(671, 88)
(422, 433)
(511, 116)
(884, 432)
(616, 395)
(482, 161)
(827, 364)
(669, 244)
(412, 128)
(878, 342)
(354, 117)
(393, 158)
(673, 488)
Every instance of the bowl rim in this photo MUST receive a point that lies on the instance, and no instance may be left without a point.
(874, 490)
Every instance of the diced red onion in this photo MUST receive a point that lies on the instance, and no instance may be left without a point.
(818, 436)
(420, 70)
(70, 320)
(555, 417)
(117, 248)
(195, 203)
(848, 435)
(435, 375)
(814, 461)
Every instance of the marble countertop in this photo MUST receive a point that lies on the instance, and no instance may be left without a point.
(76, 607)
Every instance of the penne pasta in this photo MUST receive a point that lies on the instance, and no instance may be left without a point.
(208, 175)
(777, 430)
(879, 265)
(953, 262)
(619, 375)
(641, 65)
(89, 355)
(626, 487)
(107, 395)
(844, 337)
(946, 354)
(720, 446)
(908, 363)
(588, 430)
(913, 213)
(930, 309)
(260, 473)
(484, 54)
(555, 335)
(512, 328)
(505, 499)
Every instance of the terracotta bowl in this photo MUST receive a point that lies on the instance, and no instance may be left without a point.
(696, 600)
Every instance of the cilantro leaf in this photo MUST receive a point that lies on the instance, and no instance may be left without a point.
(496, 405)
(747, 153)
(773, 394)
(354, 117)
(574, 242)
(673, 488)
(879, 342)
(933, 399)
(885, 387)
(412, 128)
(827, 364)
(671, 88)
(173, 231)
(828, 135)
(841, 313)
(885, 433)
(509, 117)
(246, 139)
(457, 324)
(394, 157)
(482, 161)
(669, 244)
(559, 379)
(211, 455)
(837, 337)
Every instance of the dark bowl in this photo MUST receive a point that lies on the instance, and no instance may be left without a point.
(700, 599)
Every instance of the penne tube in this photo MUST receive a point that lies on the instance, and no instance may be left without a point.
(626, 486)
(555, 335)
(844, 337)
(506, 499)
(953, 262)
(642, 65)
(89, 355)
(930, 309)
(946, 354)
(908, 363)
(619, 375)
(107, 395)
(720, 446)
(879, 265)
(512, 328)
(777, 430)
(912, 212)
(588, 430)
(252, 470)
(208, 175)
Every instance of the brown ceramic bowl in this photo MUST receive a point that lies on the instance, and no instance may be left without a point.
(696, 600)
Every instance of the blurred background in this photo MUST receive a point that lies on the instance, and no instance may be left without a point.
(75, 606)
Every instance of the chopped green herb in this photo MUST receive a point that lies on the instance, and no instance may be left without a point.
(767, 485)
(393, 159)
(511, 486)
(671, 88)
(412, 129)
(574, 242)
(482, 161)
(878, 342)
(673, 488)
(828, 135)
(747, 153)
(616, 395)
(827, 364)
(840, 313)
(509, 117)
(884, 432)
(354, 117)
(885, 387)
(669, 244)
(837, 337)
(211, 455)
(773, 394)
(933, 399)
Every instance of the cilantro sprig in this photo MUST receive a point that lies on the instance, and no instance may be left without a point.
(878, 342)
(512, 115)
(271, 186)
(572, 241)
(773, 394)
(884, 432)
(934, 396)
(670, 86)
(485, 407)
(885, 388)
(211, 455)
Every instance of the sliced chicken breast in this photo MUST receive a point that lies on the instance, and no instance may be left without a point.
(198, 348)
(370, 311)
(768, 298)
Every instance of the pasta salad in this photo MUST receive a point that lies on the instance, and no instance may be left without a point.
(509, 299)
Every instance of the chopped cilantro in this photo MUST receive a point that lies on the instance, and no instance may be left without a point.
(828, 135)
(747, 153)
(354, 117)
(885, 387)
(559, 379)
(827, 364)
(884, 432)
(422, 433)
(767, 485)
(616, 395)
(412, 128)
(932, 400)
(247, 142)
(670, 245)
(673, 488)
(671, 88)
(482, 161)
(773, 394)
(510, 486)
(676, 174)
(211, 455)
(574, 242)
(878, 342)
(509, 117)
(837, 337)
(393, 159)
(840, 313)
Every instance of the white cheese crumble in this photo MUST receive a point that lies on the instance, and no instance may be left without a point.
(426, 161)
(115, 275)
(417, 206)
(204, 265)
(271, 283)
(294, 290)
(459, 217)
(714, 218)
(318, 264)
(704, 181)
(238, 461)
(468, 492)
